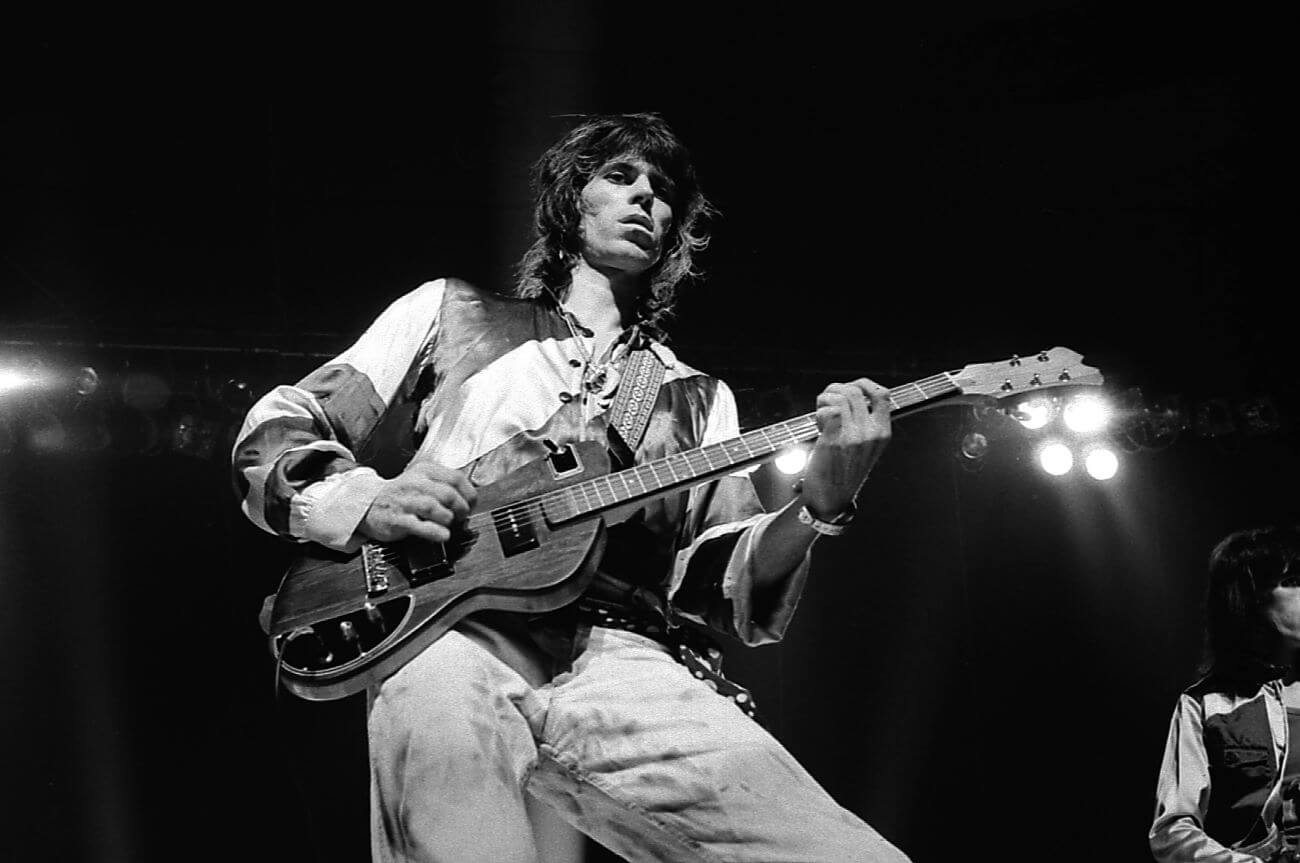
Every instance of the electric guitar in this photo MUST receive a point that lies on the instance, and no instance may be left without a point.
(342, 622)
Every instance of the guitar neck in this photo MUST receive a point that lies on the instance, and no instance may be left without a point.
(693, 467)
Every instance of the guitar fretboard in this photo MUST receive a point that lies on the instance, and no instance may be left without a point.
(693, 466)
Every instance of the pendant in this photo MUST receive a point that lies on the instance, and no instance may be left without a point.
(594, 381)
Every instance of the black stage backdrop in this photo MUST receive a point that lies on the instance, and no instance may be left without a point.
(985, 665)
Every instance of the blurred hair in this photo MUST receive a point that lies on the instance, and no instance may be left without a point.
(1245, 566)
(558, 179)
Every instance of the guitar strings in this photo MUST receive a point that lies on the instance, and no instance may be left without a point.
(695, 462)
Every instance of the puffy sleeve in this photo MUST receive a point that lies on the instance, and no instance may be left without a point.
(1177, 833)
(713, 574)
(294, 465)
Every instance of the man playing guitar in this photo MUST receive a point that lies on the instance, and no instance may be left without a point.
(612, 708)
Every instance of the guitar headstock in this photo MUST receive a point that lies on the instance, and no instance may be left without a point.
(1057, 367)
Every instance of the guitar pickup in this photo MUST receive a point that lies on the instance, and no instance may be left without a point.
(427, 561)
(515, 531)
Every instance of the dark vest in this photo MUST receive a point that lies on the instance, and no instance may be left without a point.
(1243, 767)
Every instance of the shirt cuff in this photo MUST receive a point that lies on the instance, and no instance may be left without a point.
(328, 512)
(738, 587)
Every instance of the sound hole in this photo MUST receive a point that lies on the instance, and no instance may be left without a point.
(340, 640)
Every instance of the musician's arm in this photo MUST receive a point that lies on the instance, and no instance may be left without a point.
(744, 571)
(713, 580)
(293, 460)
(1177, 832)
(854, 424)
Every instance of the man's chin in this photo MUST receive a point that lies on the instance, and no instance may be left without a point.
(641, 261)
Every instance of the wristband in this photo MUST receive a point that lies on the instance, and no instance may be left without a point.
(834, 527)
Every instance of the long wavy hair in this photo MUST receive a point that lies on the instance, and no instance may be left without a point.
(558, 179)
(1245, 566)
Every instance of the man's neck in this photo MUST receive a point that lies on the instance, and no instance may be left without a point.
(603, 304)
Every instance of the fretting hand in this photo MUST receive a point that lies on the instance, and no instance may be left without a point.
(424, 500)
(853, 419)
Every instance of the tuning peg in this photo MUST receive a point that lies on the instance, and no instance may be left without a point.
(1043, 357)
(1063, 376)
(1035, 381)
(1015, 360)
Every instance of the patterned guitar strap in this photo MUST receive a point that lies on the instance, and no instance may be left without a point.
(628, 418)
(635, 400)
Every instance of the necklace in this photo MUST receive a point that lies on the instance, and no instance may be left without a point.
(599, 377)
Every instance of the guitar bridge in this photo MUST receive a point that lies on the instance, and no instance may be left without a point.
(418, 561)
(377, 568)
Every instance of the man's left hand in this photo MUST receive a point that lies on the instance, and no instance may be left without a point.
(853, 419)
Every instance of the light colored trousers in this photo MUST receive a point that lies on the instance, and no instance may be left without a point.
(627, 746)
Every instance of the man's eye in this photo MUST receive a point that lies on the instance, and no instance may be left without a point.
(617, 176)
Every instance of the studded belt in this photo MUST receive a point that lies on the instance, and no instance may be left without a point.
(686, 645)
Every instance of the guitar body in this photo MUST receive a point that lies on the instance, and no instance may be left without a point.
(342, 622)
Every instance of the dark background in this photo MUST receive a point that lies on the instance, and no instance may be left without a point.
(986, 665)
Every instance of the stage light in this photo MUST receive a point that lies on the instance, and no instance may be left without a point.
(1086, 414)
(12, 380)
(1101, 463)
(236, 395)
(792, 461)
(184, 433)
(1034, 414)
(191, 429)
(974, 446)
(86, 382)
(30, 373)
(1056, 458)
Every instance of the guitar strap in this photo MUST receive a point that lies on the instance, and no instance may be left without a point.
(635, 401)
(610, 601)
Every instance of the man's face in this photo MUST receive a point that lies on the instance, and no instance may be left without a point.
(625, 216)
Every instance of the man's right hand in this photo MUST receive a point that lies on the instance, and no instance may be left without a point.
(424, 501)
